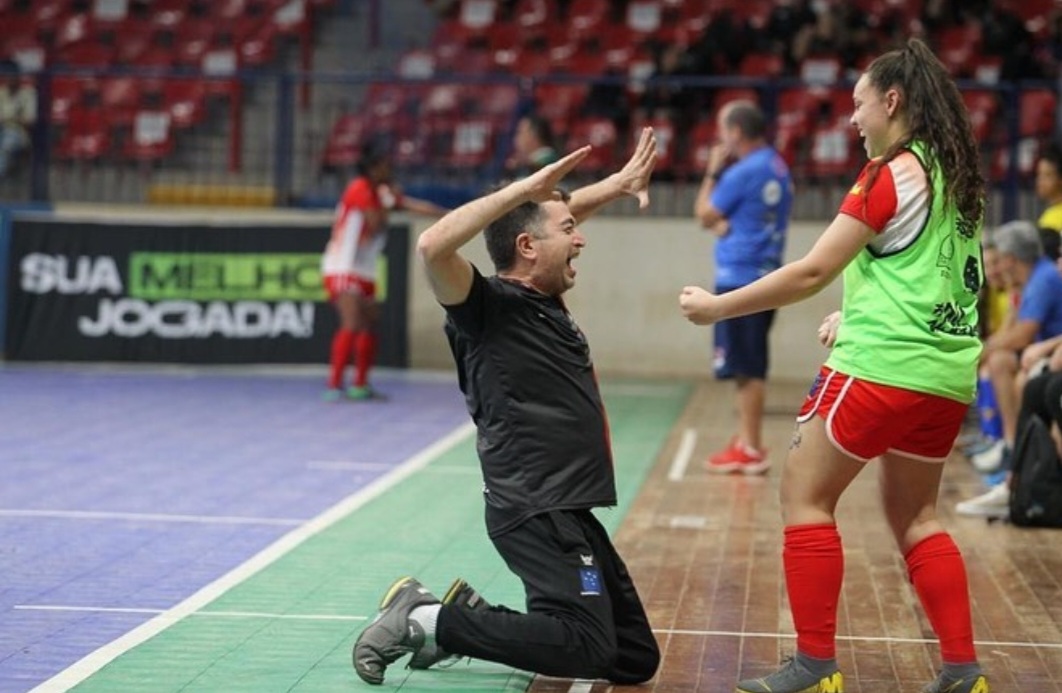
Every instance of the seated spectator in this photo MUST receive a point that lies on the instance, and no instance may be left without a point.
(995, 306)
(18, 113)
(1038, 318)
(533, 146)
(1049, 191)
(1041, 397)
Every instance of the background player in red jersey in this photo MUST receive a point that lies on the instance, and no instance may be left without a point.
(348, 266)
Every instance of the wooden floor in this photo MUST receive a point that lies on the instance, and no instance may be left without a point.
(705, 551)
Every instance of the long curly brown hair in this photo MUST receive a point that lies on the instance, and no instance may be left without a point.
(937, 117)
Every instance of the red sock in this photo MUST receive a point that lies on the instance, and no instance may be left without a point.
(814, 569)
(342, 341)
(365, 354)
(939, 577)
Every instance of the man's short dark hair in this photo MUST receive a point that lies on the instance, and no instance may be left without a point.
(501, 233)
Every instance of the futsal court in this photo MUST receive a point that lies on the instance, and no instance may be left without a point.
(225, 530)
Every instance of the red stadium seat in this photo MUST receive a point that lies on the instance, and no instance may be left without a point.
(599, 132)
(87, 136)
(472, 144)
(255, 39)
(1037, 114)
(192, 39)
(701, 140)
(67, 94)
(761, 65)
(495, 102)
(983, 107)
(168, 13)
(536, 19)
(559, 102)
(833, 151)
(151, 139)
(442, 101)
(505, 42)
(72, 29)
(586, 17)
(120, 97)
(668, 161)
(343, 146)
(1028, 153)
(86, 54)
(185, 100)
(388, 102)
(956, 47)
(530, 63)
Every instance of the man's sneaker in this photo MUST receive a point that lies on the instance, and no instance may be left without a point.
(990, 459)
(972, 684)
(391, 634)
(462, 595)
(738, 457)
(994, 503)
(794, 678)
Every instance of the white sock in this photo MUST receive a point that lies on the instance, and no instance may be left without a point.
(426, 616)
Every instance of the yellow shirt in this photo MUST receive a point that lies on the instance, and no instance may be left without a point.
(1051, 218)
(999, 305)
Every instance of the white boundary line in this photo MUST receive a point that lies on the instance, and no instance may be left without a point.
(682, 456)
(150, 517)
(197, 614)
(90, 664)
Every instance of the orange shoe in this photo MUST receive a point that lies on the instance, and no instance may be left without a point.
(738, 457)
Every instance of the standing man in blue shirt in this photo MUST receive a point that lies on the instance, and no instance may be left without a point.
(746, 205)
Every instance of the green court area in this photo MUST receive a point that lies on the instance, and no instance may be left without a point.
(290, 625)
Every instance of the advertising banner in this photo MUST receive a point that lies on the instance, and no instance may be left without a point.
(95, 291)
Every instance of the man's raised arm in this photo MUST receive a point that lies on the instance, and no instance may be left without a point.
(449, 273)
(632, 179)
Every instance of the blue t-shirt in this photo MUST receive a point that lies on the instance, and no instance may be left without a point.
(1041, 299)
(755, 195)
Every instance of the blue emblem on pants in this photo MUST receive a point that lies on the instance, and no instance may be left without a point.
(591, 581)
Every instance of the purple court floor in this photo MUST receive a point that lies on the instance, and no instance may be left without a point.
(154, 483)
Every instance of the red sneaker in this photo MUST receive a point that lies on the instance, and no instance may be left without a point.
(738, 457)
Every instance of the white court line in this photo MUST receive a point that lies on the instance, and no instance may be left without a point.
(681, 460)
(375, 466)
(151, 517)
(854, 638)
(346, 465)
(90, 664)
(581, 686)
(197, 614)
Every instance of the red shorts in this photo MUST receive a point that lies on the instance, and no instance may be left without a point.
(336, 284)
(866, 419)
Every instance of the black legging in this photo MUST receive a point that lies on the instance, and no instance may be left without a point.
(1042, 397)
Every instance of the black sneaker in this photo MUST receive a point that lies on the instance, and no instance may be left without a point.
(460, 594)
(391, 634)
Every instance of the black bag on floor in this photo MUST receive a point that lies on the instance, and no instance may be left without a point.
(1036, 482)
